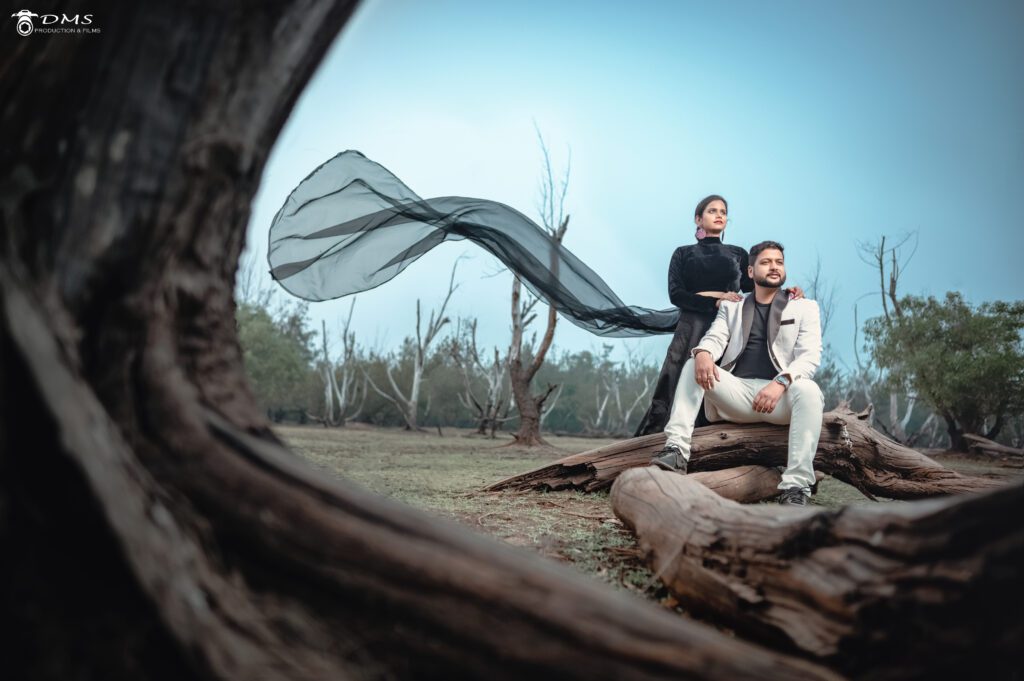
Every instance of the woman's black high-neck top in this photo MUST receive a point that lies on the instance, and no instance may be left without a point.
(708, 265)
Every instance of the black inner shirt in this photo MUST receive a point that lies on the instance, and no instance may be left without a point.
(754, 361)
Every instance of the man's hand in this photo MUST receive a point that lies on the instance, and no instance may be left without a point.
(705, 370)
(768, 397)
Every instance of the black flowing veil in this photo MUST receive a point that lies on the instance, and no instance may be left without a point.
(351, 226)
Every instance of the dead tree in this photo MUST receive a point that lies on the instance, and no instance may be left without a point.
(632, 369)
(613, 413)
(408, 404)
(522, 369)
(823, 292)
(550, 404)
(347, 392)
(889, 262)
(900, 591)
(464, 351)
(592, 424)
(849, 450)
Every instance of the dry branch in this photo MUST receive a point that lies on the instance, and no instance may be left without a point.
(849, 450)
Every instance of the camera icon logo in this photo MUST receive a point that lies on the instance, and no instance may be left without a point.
(24, 25)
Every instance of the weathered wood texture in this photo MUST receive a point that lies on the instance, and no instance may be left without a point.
(849, 450)
(928, 589)
(152, 526)
(744, 484)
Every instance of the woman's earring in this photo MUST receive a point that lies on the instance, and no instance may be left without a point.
(700, 233)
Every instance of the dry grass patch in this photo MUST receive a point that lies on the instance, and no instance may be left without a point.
(444, 475)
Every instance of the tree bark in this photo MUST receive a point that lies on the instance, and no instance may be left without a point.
(899, 591)
(521, 375)
(848, 450)
(153, 527)
(743, 484)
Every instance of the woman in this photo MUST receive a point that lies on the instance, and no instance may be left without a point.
(700, 277)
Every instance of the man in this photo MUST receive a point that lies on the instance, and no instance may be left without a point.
(770, 348)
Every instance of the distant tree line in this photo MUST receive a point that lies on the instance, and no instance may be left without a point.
(940, 370)
(460, 384)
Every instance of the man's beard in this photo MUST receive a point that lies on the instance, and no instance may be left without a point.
(768, 283)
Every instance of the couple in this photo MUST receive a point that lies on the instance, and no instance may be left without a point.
(752, 361)
(352, 225)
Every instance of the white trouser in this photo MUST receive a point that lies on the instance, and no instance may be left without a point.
(801, 406)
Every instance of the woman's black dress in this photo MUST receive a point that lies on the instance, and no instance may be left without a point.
(708, 265)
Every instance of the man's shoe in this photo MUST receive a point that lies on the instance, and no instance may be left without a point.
(670, 459)
(794, 496)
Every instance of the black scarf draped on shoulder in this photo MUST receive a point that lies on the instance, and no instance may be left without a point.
(351, 226)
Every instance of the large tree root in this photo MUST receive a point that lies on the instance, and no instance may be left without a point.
(930, 588)
(849, 450)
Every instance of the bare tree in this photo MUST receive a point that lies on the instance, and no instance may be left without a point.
(551, 403)
(823, 292)
(592, 423)
(407, 402)
(464, 351)
(347, 391)
(620, 389)
(250, 287)
(889, 261)
(522, 370)
(632, 371)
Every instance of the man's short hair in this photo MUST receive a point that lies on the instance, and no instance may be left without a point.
(756, 249)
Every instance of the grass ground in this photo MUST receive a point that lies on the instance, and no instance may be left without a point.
(444, 474)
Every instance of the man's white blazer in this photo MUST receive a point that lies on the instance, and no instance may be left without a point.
(794, 334)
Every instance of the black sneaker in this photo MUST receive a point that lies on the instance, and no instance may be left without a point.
(794, 496)
(670, 459)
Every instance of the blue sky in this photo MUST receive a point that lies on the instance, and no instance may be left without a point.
(823, 123)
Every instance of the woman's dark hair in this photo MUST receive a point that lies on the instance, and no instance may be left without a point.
(707, 200)
(756, 249)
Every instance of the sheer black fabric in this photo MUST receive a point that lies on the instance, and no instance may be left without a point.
(351, 226)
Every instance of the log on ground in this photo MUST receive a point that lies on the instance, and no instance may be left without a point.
(849, 449)
(901, 590)
(982, 445)
(744, 484)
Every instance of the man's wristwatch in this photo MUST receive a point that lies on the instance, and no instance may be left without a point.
(783, 380)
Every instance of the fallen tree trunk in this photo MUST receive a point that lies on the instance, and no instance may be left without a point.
(744, 484)
(979, 444)
(849, 450)
(925, 589)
